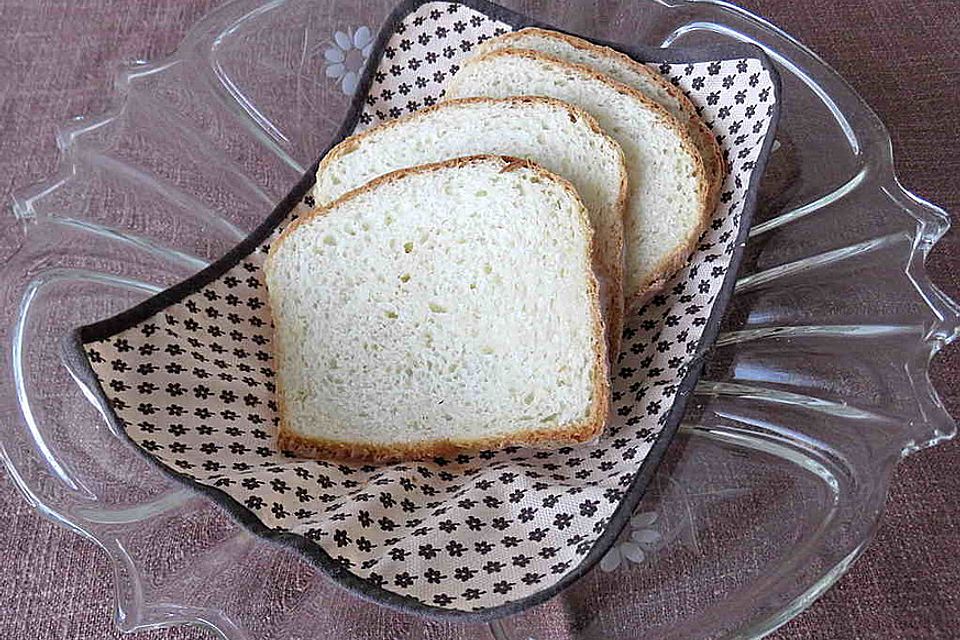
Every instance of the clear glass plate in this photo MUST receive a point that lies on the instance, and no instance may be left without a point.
(816, 387)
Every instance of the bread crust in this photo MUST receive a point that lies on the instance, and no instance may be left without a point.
(673, 261)
(705, 141)
(588, 428)
(614, 317)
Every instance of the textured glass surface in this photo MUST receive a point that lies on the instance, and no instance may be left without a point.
(816, 387)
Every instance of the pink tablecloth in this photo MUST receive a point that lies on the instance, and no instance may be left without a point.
(903, 57)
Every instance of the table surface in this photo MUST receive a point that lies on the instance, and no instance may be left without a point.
(56, 61)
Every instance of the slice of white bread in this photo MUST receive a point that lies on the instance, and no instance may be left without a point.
(668, 202)
(441, 307)
(560, 138)
(625, 69)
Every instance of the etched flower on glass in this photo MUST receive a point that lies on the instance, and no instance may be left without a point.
(637, 539)
(345, 59)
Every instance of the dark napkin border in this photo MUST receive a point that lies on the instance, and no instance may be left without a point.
(74, 354)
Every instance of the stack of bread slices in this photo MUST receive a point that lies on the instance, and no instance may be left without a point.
(463, 281)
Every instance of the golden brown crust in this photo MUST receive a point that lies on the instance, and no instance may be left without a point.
(585, 45)
(373, 452)
(713, 163)
(678, 257)
(662, 114)
(705, 142)
(582, 431)
(611, 270)
(618, 313)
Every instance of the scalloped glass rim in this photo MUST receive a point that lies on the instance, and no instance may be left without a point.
(863, 131)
